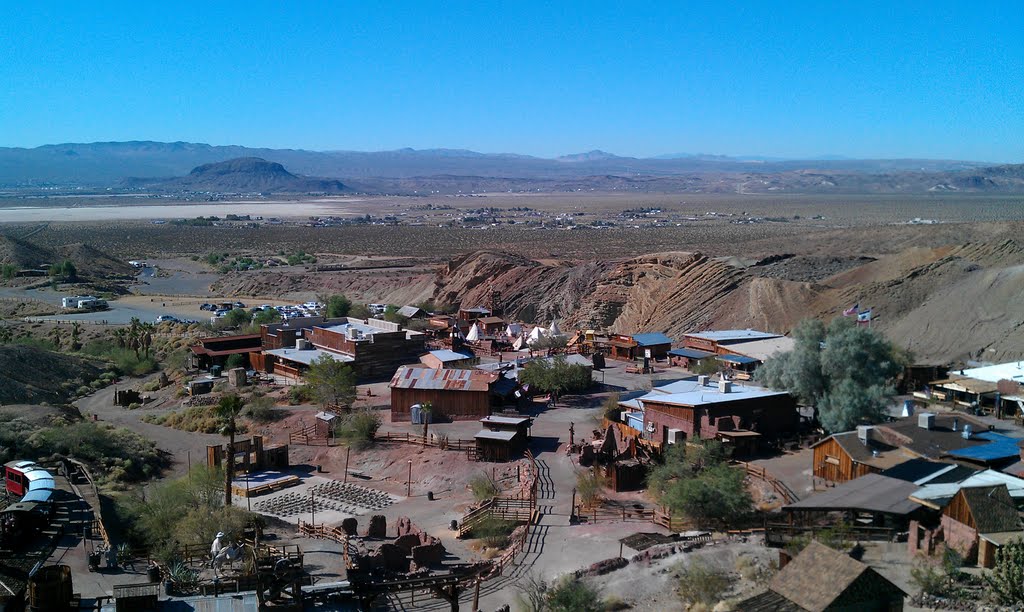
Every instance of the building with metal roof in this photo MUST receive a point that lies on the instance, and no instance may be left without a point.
(454, 394)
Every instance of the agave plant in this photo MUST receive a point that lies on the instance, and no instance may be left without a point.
(184, 578)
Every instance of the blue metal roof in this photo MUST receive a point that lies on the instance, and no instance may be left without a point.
(689, 353)
(999, 447)
(651, 339)
(38, 495)
(740, 359)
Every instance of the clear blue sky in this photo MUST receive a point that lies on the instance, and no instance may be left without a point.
(930, 79)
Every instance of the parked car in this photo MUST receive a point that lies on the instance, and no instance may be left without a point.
(167, 319)
(208, 306)
(239, 305)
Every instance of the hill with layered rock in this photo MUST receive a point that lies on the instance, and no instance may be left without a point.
(944, 303)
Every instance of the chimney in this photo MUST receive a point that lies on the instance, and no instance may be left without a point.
(865, 433)
(926, 420)
(724, 386)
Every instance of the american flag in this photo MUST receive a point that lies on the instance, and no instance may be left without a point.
(852, 310)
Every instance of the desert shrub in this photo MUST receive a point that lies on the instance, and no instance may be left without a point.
(750, 568)
(153, 385)
(134, 406)
(571, 594)
(194, 418)
(483, 487)
(1006, 580)
(84, 390)
(124, 360)
(260, 409)
(184, 511)
(493, 531)
(589, 486)
(237, 361)
(300, 394)
(611, 409)
(699, 583)
(116, 455)
(359, 428)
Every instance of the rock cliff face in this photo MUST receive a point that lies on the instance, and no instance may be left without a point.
(945, 304)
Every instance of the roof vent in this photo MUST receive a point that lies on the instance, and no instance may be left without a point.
(967, 432)
(926, 420)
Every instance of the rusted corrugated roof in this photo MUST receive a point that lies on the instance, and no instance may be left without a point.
(448, 380)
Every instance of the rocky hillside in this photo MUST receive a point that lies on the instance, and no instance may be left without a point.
(90, 262)
(33, 375)
(945, 303)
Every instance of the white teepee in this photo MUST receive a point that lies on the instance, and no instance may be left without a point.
(553, 330)
(535, 334)
(474, 334)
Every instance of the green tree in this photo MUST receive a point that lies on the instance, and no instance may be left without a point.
(236, 318)
(228, 409)
(709, 366)
(9, 271)
(555, 376)
(696, 480)
(359, 311)
(845, 371)
(266, 317)
(337, 306)
(331, 382)
(391, 315)
(68, 270)
(76, 336)
(1006, 580)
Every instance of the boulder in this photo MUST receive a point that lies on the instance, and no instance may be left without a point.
(378, 527)
(349, 526)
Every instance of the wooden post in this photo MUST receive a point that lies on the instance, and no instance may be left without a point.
(312, 508)
(476, 595)
(408, 489)
(348, 451)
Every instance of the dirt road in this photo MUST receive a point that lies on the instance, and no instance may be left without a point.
(179, 444)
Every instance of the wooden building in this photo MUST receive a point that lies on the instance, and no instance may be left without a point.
(502, 438)
(445, 359)
(874, 448)
(373, 348)
(822, 579)
(980, 520)
(216, 351)
(472, 314)
(457, 395)
(656, 344)
(720, 410)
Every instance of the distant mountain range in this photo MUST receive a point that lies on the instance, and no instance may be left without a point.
(110, 164)
(240, 175)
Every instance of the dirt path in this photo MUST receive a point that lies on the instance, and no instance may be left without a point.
(179, 444)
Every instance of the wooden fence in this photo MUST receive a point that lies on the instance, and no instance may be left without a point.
(759, 472)
(780, 534)
(657, 516)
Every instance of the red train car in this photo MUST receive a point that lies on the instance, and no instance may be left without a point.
(22, 477)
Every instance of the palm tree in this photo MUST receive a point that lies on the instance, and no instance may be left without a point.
(146, 336)
(134, 337)
(120, 337)
(228, 409)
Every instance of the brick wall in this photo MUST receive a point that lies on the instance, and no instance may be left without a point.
(962, 538)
